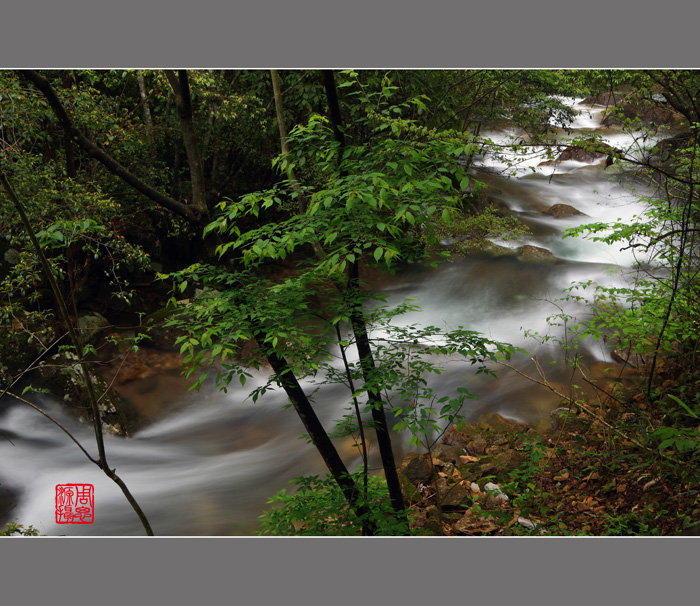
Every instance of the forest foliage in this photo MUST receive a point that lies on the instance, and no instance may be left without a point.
(139, 180)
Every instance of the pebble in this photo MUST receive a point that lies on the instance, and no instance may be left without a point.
(529, 524)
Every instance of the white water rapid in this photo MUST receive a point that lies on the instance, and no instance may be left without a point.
(209, 466)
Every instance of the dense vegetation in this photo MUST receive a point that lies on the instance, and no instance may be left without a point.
(243, 208)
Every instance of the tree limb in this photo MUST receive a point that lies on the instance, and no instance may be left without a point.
(188, 212)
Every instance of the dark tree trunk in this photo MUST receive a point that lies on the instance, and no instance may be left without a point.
(367, 364)
(146, 106)
(318, 434)
(183, 102)
(360, 330)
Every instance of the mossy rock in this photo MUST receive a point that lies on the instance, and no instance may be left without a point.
(447, 453)
(454, 494)
(561, 211)
(91, 327)
(473, 472)
(416, 468)
(534, 253)
(456, 437)
(63, 376)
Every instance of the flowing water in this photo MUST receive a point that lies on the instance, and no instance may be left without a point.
(209, 465)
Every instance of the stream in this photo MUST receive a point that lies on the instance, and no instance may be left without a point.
(209, 466)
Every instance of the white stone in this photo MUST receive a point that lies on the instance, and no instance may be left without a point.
(529, 524)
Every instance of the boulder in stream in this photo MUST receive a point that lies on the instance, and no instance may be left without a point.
(534, 253)
(561, 211)
(575, 153)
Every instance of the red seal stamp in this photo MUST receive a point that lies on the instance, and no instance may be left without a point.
(75, 504)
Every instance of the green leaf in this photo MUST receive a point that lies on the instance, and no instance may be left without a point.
(378, 252)
(683, 404)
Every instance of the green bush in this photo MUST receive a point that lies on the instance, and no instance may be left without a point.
(318, 508)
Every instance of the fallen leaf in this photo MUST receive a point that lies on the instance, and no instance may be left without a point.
(468, 459)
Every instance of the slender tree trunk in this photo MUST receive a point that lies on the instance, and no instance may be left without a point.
(375, 402)
(360, 330)
(318, 434)
(279, 107)
(77, 345)
(333, 106)
(67, 83)
(183, 101)
(146, 106)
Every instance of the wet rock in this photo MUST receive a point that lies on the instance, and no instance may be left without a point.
(644, 111)
(497, 250)
(579, 154)
(534, 253)
(561, 211)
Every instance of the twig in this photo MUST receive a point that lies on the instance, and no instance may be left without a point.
(50, 418)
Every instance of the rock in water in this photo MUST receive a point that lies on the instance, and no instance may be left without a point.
(562, 210)
(534, 253)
